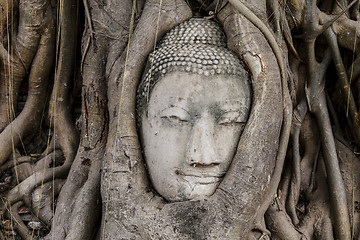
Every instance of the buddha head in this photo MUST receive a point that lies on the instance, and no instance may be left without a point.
(193, 103)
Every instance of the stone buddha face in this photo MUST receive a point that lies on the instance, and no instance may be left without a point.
(191, 131)
(191, 125)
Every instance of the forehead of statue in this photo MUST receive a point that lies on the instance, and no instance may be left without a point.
(195, 93)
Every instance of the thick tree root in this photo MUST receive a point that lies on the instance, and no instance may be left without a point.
(43, 199)
(32, 113)
(18, 58)
(18, 224)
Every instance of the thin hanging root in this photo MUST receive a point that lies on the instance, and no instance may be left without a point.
(287, 35)
(275, 16)
(60, 109)
(282, 26)
(91, 34)
(88, 18)
(7, 11)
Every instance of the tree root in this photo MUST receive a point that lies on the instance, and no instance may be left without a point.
(280, 224)
(43, 198)
(298, 117)
(78, 219)
(21, 51)
(25, 188)
(316, 100)
(60, 110)
(25, 166)
(18, 224)
(38, 82)
(123, 80)
(287, 109)
(345, 85)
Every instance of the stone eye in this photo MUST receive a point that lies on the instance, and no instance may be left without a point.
(229, 118)
(175, 115)
(175, 119)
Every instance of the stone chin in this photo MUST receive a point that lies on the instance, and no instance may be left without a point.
(191, 188)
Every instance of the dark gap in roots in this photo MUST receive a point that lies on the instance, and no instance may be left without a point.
(35, 144)
(301, 208)
(5, 181)
(22, 96)
(338, 101)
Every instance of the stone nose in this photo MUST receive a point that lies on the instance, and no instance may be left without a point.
(201, 148)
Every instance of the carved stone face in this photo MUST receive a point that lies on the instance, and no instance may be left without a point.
(191, 131)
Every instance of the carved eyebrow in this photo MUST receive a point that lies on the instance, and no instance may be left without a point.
(235, 101)
(232, 100)
(229, 106)
(243, 109)
(231, 103)
(177, 99)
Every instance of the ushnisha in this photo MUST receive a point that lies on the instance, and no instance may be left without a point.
(195, 46)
